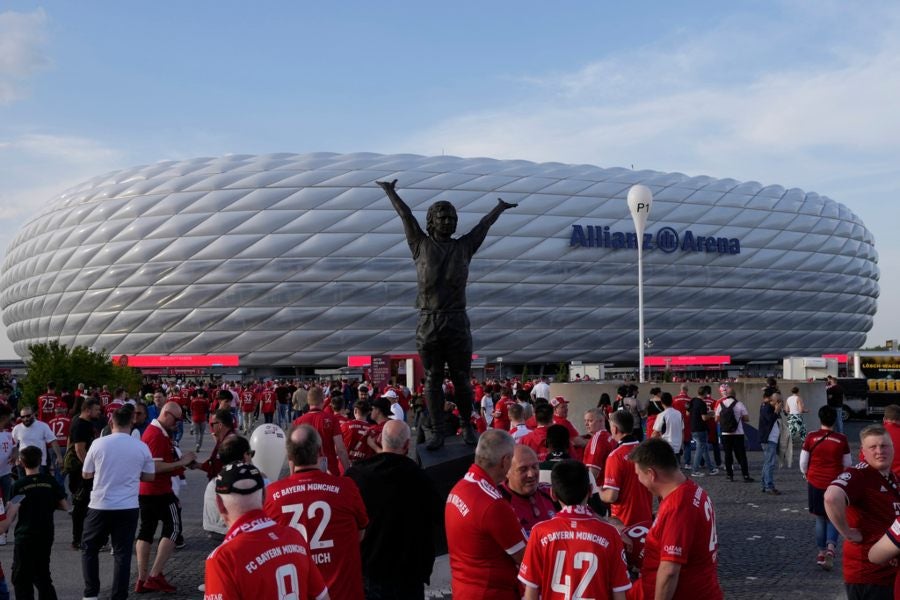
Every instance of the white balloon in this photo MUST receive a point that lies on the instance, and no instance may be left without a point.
(268, 443)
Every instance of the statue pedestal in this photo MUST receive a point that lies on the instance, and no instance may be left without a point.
(445, 467)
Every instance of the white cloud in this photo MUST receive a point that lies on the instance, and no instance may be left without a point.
(807, 98)
(22, 41)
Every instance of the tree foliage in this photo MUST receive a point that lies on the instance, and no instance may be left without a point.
(68, 367)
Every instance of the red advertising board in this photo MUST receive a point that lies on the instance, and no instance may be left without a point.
(685, 361)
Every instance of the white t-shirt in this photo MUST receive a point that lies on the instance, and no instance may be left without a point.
(117, 461)
(793, 407)
(541, 390)
(6, 449)
(487, 409)
(739, 412)
(212, 518)
(38, 435)
(519, 431)
(397, 412)
(674, 423)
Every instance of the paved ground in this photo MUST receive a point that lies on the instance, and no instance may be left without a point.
(767, 544)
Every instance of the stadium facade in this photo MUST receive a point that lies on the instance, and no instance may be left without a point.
(289, 259)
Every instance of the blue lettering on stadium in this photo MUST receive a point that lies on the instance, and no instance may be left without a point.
(665, 240)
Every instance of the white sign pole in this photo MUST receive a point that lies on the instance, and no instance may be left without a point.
(640, 199)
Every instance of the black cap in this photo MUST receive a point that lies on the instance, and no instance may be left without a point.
(239, 478)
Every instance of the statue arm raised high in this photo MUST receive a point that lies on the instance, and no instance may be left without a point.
(410, 225)
(479, 232)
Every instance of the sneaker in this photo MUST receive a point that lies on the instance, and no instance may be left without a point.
(696, 473)
(749, 480)
(820, 559)
(139, 587)
(158, 583)
(774, 492)
(180, 543)
(714, 472)
(829, 560)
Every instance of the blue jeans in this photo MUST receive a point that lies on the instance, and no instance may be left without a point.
(688, 451)
(179, 432)
(6, 482)
(4, 590)
(826, 533)
(701, 453)
(284, 411)
(839, 423)
(770, 460)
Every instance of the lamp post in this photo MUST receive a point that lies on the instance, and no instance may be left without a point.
(639, 201)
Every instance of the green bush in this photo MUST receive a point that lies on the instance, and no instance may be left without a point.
(68, 367)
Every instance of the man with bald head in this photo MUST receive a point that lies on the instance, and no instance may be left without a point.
(325, 508)
(404, 505)
(157, 500)
(530, 499)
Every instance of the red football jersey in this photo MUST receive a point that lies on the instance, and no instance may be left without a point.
(60, 428)
(162, 449)
(501, 413)
(199, 410)
(894, 534)
(482, 535)
(375, 432)
(261, 559)
(537, 441)
(826, 461)
(329, 512)
(46, 407)
(267, 401)
(575, 555)
(635, 503)
(248, 401)
(874, 505)
(327, 427)
(112, 407)
(104, 397)
(355, 434)
(596, 453)
(684, 532)
(530, 510)
(680, 403)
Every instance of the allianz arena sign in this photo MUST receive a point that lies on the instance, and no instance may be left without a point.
(666, 239)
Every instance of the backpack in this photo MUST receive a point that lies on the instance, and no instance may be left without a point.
(727, 419)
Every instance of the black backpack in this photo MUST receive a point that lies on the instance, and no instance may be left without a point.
(727, 419)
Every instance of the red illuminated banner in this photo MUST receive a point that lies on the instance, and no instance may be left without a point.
(841, 358)
(685, 361)
(359, 361)
(177, 361)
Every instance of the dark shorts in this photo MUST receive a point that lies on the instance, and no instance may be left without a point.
(816, 499)
(156, 509)
(439, 332)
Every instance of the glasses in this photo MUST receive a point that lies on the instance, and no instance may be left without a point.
(27, 416)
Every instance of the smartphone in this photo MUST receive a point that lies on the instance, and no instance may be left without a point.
(16, 499)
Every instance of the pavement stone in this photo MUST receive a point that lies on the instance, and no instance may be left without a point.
(767, 544)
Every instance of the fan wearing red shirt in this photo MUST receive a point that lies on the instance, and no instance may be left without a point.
(105, 396)
(862, 503)
(561, 417)
(824, 456)
(537, 439)
(326, 509)
(575, 554)
(267, 401)
(887, 549)
(501, 411)
(199, 417)
(248, 407)
(631, 502)
(333, 450)
(681, 549)
(46, 403)
(258, 558)
(599, 445)
(530, 499)
(158, 503)
(381, 413)
(356, 433)
(60, 425)
(484, 539)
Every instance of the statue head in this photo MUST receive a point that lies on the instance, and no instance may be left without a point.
(440, 220)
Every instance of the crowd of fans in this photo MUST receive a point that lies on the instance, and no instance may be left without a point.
(544, 512)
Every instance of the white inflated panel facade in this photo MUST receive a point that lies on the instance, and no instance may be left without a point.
(292, 259)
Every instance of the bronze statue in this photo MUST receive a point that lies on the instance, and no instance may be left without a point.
(443, 333)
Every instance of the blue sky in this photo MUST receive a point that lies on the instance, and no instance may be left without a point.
(797, 93)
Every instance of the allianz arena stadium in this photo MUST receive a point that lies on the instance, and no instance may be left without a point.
(288, 259)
